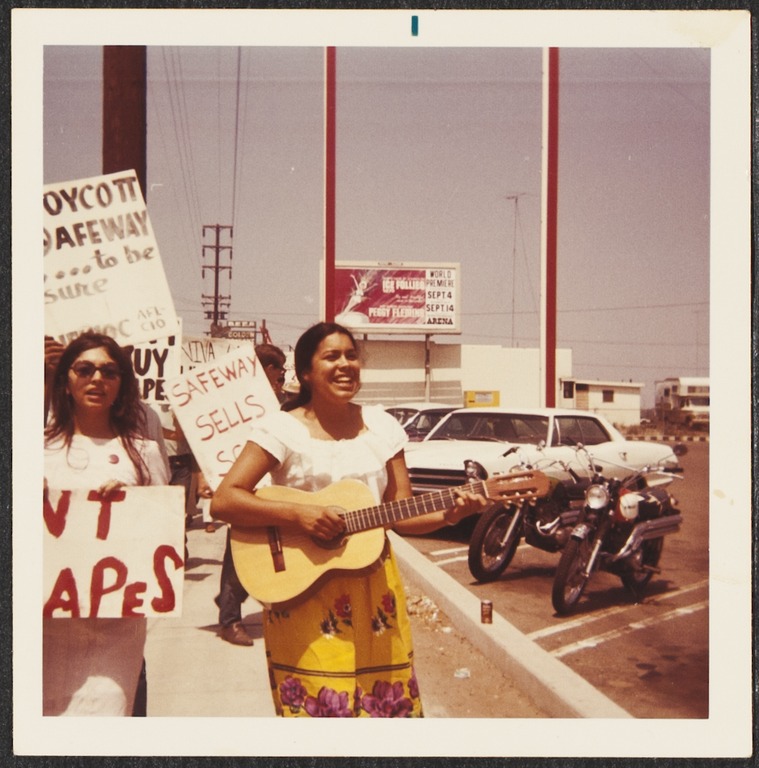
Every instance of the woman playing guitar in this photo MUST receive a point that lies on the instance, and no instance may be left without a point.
(343, 648)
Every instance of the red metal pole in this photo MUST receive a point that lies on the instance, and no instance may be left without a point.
(329, 186)
(551, 224)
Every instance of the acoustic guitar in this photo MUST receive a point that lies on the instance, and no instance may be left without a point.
(282, 565)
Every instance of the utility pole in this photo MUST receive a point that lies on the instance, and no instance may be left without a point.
(515, 198)
(219, 302)
(125, 110)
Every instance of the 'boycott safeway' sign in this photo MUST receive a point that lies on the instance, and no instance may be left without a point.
(102, 268)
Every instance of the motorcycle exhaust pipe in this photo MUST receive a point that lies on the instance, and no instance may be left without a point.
(661, 525)
(564, 520)
(650, 529)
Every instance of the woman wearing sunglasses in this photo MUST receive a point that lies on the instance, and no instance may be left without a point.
(94, 440)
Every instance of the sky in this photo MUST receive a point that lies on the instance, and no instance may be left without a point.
(438, 160)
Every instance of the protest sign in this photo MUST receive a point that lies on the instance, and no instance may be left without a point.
(154, 362)
(102, 268)
(197, 350)
(120, 557)
(216, 404)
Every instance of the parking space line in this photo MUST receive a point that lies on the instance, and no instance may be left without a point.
(554, 629)
(450, 550)
(592, 642)
(461, 559)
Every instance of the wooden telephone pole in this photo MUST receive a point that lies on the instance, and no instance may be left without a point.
(219, 302)
(125, 110)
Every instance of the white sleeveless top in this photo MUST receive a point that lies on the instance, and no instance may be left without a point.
(310, 464)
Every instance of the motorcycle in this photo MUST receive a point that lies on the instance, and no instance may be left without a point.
(544, 523)
(620, 529)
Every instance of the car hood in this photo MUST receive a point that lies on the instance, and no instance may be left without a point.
(451, 454)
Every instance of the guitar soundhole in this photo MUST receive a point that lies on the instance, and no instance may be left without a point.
(337, 542)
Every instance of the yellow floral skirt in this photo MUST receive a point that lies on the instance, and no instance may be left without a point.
(345, 651)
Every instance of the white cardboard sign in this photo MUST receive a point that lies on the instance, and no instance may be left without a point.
(103, 271)
(216, 404)
(122, 557)
(154, 362)
(197, 350)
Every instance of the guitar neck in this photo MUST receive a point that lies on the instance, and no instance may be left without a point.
(404, 509)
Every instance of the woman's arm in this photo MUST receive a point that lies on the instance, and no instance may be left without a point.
(399, 487)
(234, 502)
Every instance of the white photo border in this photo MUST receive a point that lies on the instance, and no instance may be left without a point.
(727, 732)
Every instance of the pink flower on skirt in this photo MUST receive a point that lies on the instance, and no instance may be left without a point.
(328, 703)
(387, 700)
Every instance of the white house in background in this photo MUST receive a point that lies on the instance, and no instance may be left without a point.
(465, 374)
(618, 401)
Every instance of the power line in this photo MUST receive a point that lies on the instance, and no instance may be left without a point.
(618, 308)
(185, 167)
(236, 134)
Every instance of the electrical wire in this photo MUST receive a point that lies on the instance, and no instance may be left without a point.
(236, 135)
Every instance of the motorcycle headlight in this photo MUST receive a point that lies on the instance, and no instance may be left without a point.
(475, 470)
(597, 496)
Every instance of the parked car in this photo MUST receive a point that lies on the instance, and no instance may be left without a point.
(497, 440)
(418, 419)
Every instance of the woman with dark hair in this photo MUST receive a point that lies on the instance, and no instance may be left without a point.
(345, 649)
(94, 439)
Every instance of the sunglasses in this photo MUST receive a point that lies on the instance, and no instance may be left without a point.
(86, 370)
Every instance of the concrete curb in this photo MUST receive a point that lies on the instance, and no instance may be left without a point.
(553, 686)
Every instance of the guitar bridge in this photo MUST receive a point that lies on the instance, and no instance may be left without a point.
(275, 547)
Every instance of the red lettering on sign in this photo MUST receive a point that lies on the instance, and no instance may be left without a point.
(132, 599)
(55, 519)
(104, 518)
(97, 588)
(64, 584)
(167, 600)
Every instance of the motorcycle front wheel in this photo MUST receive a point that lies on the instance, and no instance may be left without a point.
(494, 542)
(637, 577)
(570, 581)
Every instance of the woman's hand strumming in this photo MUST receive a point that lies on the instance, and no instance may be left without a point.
(321, 522)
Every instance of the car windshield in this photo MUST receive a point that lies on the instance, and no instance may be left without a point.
(402, 415)
(499, 427)
(425, 420)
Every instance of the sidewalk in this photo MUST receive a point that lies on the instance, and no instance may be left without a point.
(192, 672)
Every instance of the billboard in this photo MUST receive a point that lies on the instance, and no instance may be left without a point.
(375, 297)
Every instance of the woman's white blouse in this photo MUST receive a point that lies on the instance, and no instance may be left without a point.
(310, 463)
(90, 462)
